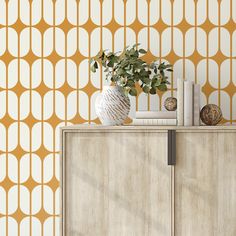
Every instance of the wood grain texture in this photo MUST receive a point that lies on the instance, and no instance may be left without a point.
(116, 181)
(205, 184)
(116, 184)
(128, 128)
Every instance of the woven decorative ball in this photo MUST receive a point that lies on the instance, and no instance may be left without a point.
(170, 104)
(211, 114)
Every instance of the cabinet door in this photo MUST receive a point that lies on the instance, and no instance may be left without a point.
(205, 184)
(116, 184)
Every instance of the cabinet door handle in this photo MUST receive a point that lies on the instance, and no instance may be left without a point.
(171, 147)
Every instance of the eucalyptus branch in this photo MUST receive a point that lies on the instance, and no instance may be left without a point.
(128, 69)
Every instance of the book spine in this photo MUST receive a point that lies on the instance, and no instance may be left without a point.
(156, 115)
(188, 103)
(154, 122)
(196, 105)
(180, 102)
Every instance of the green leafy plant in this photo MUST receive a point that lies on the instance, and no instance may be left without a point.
(127, 70)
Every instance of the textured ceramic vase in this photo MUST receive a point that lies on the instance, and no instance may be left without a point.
(112, 106)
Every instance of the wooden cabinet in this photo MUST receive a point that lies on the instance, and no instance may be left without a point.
(205, 184)
(116, 181)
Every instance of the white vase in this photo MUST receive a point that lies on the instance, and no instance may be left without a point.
(112, 106)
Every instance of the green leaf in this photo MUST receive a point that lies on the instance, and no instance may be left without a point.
(130, 83)
(93, 69)
(130, 72)
(136, 45)
(152, 66)
(162, 87)
(110, 54)
(132, 51)
(120, 71)
(153, 91)
(168, 66)
(146, 89)
(126, 91)
(161, 66)
(171, 70)
(96, 65)
(133, 92)
(142, 51)
(158, 83)
(144, 73)
(136, 77)
(121, 81)
(116, 59)
(110, 63)
(136, 54)
(146, 80)
(154, 80)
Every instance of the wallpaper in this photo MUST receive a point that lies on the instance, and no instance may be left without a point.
(45, 82)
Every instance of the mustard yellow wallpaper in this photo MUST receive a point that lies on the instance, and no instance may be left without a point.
(45, 83)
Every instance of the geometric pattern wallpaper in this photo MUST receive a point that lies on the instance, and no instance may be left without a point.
(45, 82)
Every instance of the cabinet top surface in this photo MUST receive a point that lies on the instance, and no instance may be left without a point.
(101, 128)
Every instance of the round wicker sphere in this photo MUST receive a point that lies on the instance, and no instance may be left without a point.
(170, 104)
(211, 114)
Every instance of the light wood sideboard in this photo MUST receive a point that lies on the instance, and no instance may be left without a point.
(130, 181)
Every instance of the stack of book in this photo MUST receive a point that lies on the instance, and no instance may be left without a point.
(188, 108)
(155, 118)
(188, 103)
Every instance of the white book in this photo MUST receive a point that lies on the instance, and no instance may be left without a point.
(196, 104)
(156, 115)
(180, 102)
(188, 103)
(154, 122)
